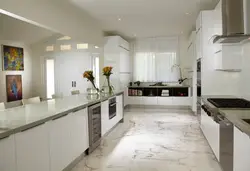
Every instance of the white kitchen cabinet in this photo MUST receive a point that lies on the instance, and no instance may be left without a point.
(211, 131)
(198, 44)
(116, 54)
(119, 107)
(135, 100)
(181, 101)
(105, 116)
(228, 57)
(165, 101)
(199, 22)
(7, 154)
(150, 100)
(241, 151)
(32, 149)
(59, 142)
(79, 132)
(124, 61)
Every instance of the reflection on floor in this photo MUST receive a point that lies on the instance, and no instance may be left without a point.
(153, 140)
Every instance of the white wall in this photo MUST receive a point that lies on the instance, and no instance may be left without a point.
(244, 83)
(26, 74)
(69, 66)
(58, 15)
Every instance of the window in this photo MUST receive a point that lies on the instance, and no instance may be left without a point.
(82, 46)
(50, 77)
(50, 48)
(96, 70)
(154, 58)
(65, 47)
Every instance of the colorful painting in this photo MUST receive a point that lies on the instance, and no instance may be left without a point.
(14, 87)
(12, 58)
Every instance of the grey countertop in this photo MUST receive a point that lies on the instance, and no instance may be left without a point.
(17, 119)
(233, 115)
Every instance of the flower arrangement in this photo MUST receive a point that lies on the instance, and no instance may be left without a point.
(107, 71)
(89, 76)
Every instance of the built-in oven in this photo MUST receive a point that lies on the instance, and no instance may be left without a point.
(95, 132)
(112, 108)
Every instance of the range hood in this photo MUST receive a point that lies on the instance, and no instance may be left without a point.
(235, 24)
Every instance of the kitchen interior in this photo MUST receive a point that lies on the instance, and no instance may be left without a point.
(170, 98)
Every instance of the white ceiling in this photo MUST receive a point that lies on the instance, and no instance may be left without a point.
(145, 18)
(17, 30)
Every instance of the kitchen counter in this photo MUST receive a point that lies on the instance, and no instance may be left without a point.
(233, 115)
(24, 117)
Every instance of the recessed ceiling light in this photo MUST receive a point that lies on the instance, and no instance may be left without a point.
(119, 19)
(64, 38)
(135, 35)
(181, 32)
(187, 13)
(96, 47)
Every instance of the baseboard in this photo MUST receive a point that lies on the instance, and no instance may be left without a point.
(75, 162)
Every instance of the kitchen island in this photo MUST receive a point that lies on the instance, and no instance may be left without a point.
(52, 135)
(229, 137)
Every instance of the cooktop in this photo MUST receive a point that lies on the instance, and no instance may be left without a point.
(229, 103)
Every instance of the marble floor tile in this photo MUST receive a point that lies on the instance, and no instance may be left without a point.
(153, 140)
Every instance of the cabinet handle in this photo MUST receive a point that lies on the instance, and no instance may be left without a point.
(32, 127)
(218, 51)
(5, 137)
(59, 117)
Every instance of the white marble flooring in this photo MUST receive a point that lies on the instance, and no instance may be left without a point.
(153, 140)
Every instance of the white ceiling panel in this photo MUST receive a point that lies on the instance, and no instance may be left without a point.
(145, 18)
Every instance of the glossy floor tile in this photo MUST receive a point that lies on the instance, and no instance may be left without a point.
(153, 140)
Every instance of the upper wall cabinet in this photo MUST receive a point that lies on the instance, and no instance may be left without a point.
(228, 58)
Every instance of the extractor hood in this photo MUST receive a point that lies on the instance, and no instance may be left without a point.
(235, 24)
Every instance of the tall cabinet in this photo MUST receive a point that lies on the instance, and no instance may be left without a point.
(192, 58)
(116, 54)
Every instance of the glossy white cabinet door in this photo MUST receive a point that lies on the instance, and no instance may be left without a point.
(7, 154)
(181, 101)
(105, 116)
(119, 107)
(32, 149)
(135, 100)
(165, 101)
(124, 61)
(150, 100)
(241, 151)
(198, 44)
(79, 132)
(59, 142)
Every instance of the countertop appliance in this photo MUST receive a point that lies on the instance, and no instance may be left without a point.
(112, 108)
(229, 103)
(95, 134)
(235, 21)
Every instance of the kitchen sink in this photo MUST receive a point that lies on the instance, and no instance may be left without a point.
(246, 120)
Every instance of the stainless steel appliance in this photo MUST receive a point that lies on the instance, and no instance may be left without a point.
(198, 103)
(112, 108)
(226, 142)
(229, 103)
(95, 134)
(235, 21)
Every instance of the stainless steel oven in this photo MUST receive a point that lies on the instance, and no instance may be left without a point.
(95, 132)
(112, 108)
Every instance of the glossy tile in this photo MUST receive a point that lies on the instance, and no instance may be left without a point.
(159, 140)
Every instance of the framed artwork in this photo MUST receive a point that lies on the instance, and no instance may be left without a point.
(12, 58)
(14, 87)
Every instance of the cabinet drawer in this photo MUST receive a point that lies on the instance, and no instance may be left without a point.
(166, 101)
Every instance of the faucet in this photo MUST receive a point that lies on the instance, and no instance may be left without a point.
(180, 80)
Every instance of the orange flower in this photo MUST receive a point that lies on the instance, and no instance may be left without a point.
(107, 71)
